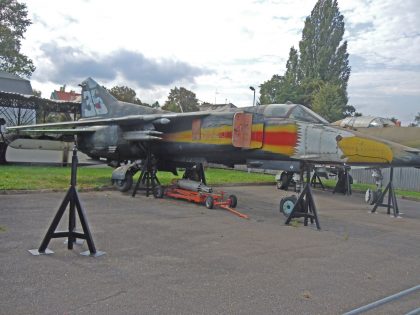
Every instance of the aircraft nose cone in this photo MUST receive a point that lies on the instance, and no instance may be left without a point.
(413, 158)
(406, 156)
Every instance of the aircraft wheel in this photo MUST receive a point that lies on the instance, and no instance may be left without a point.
(287, 204)
(233, 201)
(368, 196)
(209, 202)
(125, 184)
(371, 196)
(158, 192)
(285, 180)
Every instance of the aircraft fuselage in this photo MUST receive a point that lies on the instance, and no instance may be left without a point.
(246, 136)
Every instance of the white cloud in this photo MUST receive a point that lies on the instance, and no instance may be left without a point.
(394, 33)
(243, 42)
(391, 82)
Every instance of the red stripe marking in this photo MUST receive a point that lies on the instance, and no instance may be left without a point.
(280, 138)
(257, 136)
(225, 134)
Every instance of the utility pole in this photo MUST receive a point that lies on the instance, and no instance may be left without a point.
(253, 89)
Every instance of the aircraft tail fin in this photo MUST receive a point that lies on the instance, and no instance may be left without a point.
(98, 102)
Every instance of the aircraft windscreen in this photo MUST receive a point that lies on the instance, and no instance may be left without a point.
(277, 110)
(293, 111)
(302, 113)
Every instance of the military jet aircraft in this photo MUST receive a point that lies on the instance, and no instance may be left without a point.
(276, 136)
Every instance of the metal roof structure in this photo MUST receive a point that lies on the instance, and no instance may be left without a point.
(16, 100)
(13, 83)
(18, 105)
(17, 93)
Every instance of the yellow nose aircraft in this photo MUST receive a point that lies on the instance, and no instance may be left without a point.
(276, 136)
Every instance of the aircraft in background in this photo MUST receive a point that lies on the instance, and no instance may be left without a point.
(276, 136)
(382, 128)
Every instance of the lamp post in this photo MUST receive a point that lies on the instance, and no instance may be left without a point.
(253, 89)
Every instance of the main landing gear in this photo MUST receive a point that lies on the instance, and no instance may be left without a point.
(344, 181)
(122, 177)
(148, 180)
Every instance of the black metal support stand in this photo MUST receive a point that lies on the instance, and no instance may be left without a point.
(196, 173)
(148, 179)
(72, 199)
(305, 204)
(201, 174)
(392, 199)
(3, 149)
(343, 183)
(316, 180)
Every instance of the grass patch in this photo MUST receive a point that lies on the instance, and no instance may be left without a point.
(14, 177)
(330, 183)
(294, 223)
(2, 229)
(55, 177)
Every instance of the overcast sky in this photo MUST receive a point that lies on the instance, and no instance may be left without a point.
(219, 48)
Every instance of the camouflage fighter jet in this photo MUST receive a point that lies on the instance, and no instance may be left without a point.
(277, 136)
(286, 137)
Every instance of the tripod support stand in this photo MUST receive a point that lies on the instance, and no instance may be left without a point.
(392, 199)
(305, 207)
(71, 198)
(316, 180)
(148, 179)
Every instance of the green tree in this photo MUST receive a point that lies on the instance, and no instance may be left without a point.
(269, 90)
(13, 24)
(155, 105)
(181, 100)
(291, 89)
(36, 93)
(320, 64)
(323, 55)
(125, 94)
(417, 119)
(327, 102)
(350, 110)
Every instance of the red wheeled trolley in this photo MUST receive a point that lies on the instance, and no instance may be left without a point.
(209, 199)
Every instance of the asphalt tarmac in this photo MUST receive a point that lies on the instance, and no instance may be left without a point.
(166, 256)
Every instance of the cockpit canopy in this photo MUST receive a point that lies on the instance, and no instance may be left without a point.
(293, 111)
